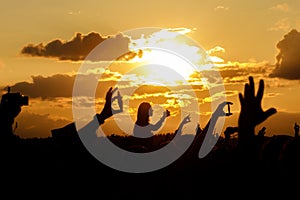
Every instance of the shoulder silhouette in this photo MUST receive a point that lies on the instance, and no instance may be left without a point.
(10, 108)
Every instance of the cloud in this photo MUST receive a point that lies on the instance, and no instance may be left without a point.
(245, 69)
(235, 72)
(272, 94)
(216, 49)
(71, 12)
(181, 30)
(58, 85)
(288, 60)
(232, 72)
(284, 7)
(221, 8)
(283, 24)
(80, 46)
(32, 125)
(215, 54)
(61, 85)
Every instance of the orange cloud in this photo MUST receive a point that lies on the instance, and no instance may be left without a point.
(79, 47)
(37, 125)
(60, 85)
(284, 7)
(221, 8)
(283, 24)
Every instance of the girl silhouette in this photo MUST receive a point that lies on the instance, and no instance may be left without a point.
(143, 128)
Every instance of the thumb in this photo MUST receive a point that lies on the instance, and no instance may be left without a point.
(269, 112)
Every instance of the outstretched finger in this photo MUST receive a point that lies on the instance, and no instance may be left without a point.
(120, 102)
(222, 105)
(247, 92)
(188, 117)
(269, 112)
(108, 92)
(113, 91)
(260, 91)
(119, 94)
(114, 98)
(241, 98)
(251, 87)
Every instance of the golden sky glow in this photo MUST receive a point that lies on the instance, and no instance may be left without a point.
(240, 37)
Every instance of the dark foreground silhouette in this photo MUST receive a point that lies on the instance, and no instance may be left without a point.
(249, 163)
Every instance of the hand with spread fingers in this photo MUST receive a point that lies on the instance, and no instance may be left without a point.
(250, 116)
(252, 113)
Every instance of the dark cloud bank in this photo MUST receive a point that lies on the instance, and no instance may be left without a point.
(288, 58)
(79, 47)
(59, 85)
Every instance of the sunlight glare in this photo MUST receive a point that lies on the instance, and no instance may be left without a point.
(156, 58)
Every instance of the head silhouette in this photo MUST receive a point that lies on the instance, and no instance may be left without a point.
(144, 112)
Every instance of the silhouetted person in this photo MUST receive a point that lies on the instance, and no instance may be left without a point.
(296, 128)
(143, 128)
(10, 108)
(229, 131)
(250, 116)
(198, 129)
(262, 132)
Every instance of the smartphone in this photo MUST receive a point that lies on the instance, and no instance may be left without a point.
(228, 109)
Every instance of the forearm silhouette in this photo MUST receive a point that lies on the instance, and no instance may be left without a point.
(106, 112)
(250, 116)
(194, 149)
(160, 122)
(99, 118)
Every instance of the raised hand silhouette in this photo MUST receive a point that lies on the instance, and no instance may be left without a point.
(251, 115)
(167, 113)
(184, 121)
(219, 112)
(187, 119)
(99, 118)
(107, 110)
(195, 147)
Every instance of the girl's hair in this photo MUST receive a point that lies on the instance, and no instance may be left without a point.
(143, 114)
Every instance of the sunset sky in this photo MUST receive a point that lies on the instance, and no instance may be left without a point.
(243, 38)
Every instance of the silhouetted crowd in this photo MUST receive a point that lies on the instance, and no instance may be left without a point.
(239, 158)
